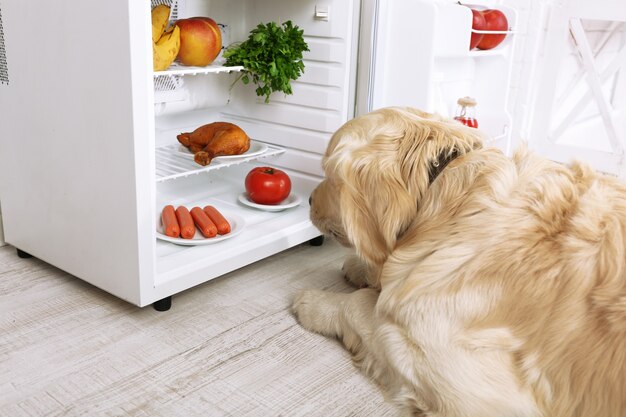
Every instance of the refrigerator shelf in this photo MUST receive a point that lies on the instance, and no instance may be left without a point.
(177, 69)
(494, 32)
(172, 162)
(501, 51)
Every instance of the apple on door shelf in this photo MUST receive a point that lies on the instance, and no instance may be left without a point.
(488, 20)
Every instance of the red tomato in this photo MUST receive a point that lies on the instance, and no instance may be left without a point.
(496, 20)
(266, 185)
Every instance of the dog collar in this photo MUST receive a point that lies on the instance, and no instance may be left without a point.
(440, 163)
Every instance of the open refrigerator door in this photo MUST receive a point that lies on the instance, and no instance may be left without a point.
(556, 81)
(418, 54)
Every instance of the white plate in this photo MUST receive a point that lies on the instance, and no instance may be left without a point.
(292, 201)
(256, 148)
(237, 223)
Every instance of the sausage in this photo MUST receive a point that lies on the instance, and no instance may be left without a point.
(223, 227)
(203, 222)
(185, 221)
(170, 223)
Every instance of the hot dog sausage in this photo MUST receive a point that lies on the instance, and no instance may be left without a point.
(203, 222)
(185, 221)
(170, 223)
(223, 227)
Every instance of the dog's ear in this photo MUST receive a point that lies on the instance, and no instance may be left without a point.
(384, 161)
(429, 143)
(376, 204)
(373, 206)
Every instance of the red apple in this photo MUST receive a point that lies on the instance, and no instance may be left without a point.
(496, 20)
(200, 41)
(478, 23)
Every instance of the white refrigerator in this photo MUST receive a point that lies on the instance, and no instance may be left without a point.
(88, 149)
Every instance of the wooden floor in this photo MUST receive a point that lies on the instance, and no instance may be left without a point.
(230, 347)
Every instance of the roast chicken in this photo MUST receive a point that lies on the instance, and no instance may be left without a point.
(215, 139)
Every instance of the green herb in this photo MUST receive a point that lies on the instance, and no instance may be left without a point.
(271, 56)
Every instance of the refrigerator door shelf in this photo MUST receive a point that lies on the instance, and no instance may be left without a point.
(454, 29)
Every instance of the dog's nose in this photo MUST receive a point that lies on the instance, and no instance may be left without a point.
(310, 200)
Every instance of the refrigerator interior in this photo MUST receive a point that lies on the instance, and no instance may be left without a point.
(294, 129)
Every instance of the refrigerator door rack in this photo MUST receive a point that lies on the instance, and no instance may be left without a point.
(494, 32)
(172, 163)
(475, 73)
(499, 51)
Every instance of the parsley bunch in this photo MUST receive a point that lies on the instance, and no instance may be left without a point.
(272, 56)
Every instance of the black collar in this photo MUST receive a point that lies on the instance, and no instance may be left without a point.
(442, 161)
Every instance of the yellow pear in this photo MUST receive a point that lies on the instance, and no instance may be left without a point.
(160, 18)
(166, 49)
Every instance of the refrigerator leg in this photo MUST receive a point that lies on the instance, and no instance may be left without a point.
(163, 305)
(23, 255)
(317, 241)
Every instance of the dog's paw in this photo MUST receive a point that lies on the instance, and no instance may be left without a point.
(355, 271)
(317, 311)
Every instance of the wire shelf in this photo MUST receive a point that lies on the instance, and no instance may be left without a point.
(174, 161)
(177, 69)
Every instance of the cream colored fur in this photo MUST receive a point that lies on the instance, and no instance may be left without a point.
(497, 290)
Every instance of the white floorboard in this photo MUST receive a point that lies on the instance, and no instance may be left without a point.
(230, 347)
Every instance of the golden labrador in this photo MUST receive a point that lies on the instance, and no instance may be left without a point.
(496, 286)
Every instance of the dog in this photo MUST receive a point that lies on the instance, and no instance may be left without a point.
(487, 285)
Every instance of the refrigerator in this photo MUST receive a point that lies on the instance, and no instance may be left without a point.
(88, 149)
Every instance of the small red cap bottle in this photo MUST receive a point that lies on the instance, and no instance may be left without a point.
(466, 112)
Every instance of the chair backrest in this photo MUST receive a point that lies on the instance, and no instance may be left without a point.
(581, 113)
